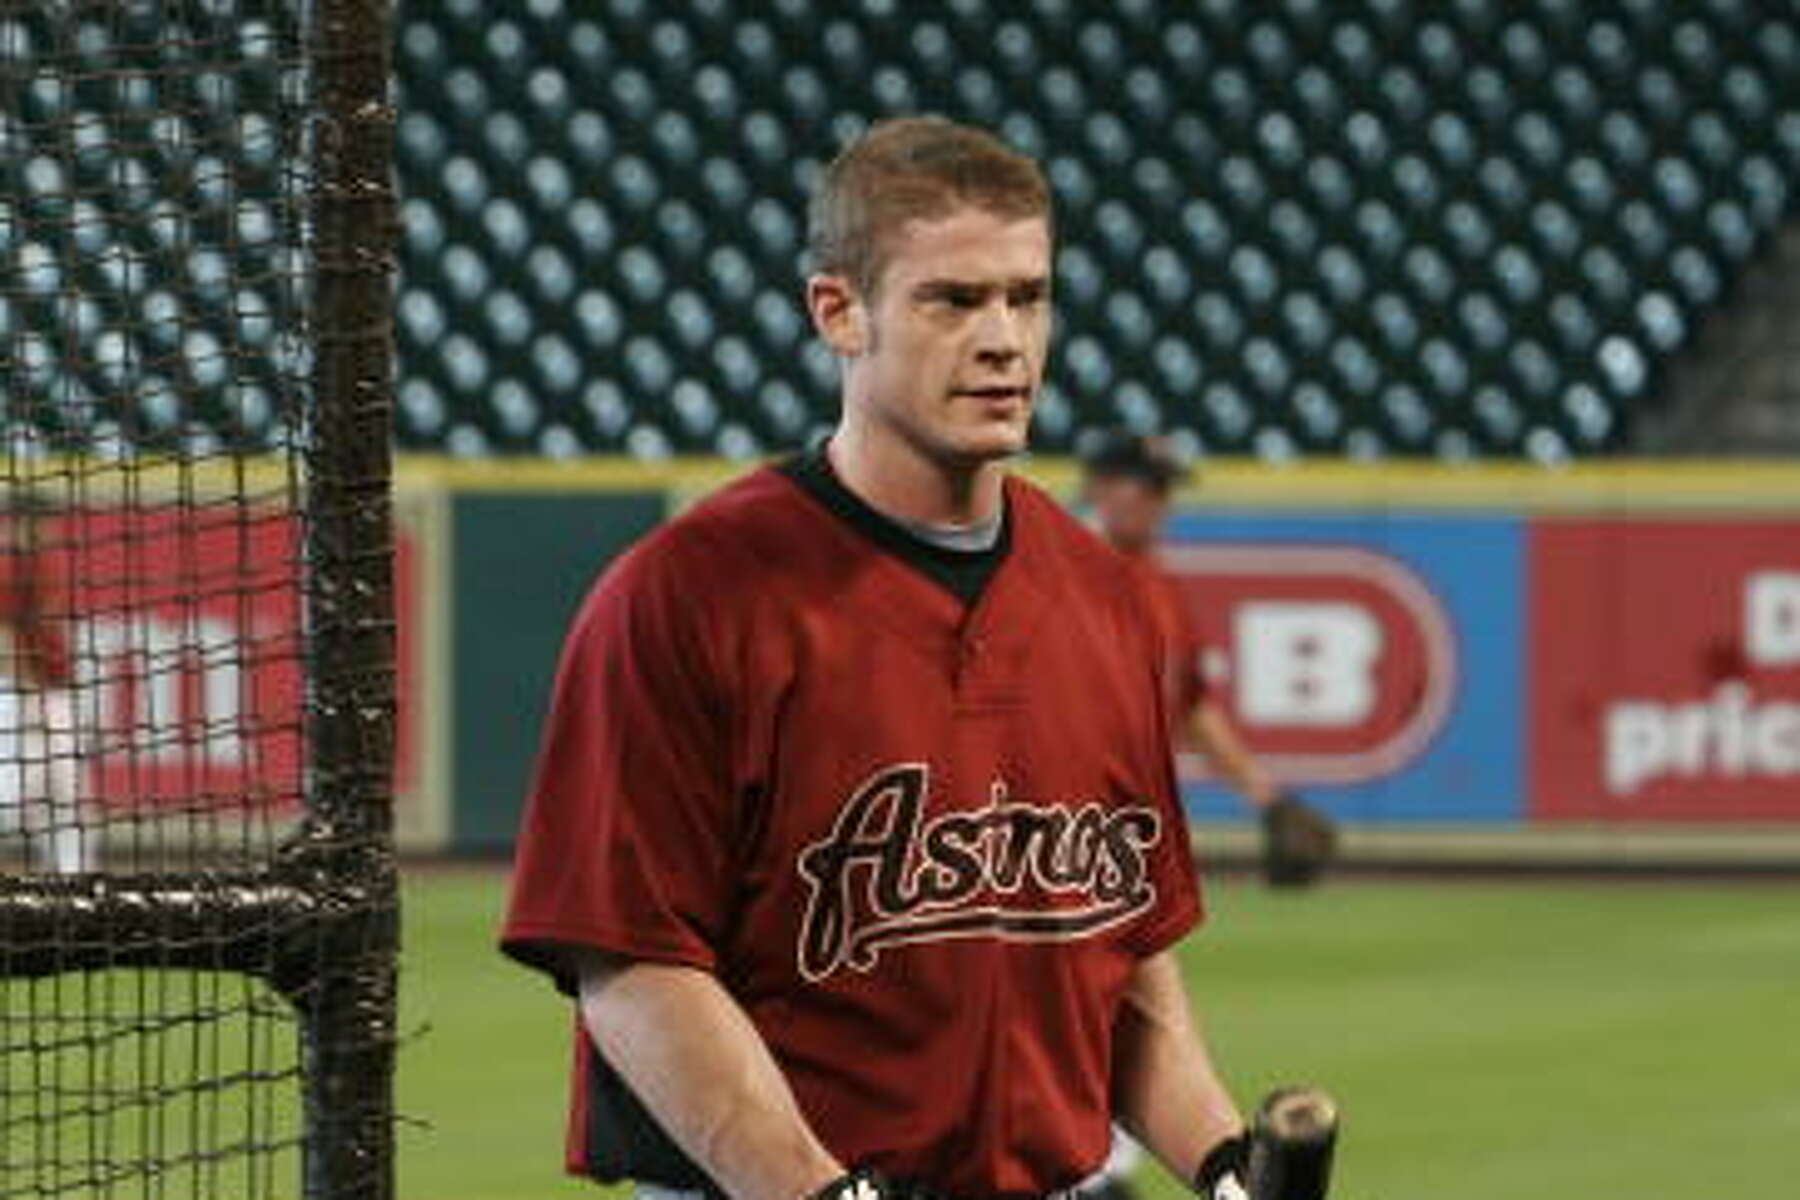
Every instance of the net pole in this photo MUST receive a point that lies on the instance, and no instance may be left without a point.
(348, 1008)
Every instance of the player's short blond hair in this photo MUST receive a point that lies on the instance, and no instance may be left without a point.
(908, 169)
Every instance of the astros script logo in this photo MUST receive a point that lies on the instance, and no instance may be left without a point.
(884, 877)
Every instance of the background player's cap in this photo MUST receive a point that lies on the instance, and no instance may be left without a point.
(1122, 454)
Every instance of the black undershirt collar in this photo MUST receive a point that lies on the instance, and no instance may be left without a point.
(963, 573)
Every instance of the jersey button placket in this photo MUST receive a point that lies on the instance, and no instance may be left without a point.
(969, 651)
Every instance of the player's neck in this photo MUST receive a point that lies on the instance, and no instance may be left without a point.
(893, 478)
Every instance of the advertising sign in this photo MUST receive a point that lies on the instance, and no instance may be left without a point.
(185, 642)
(1373, 662)
(185, 633)
(1665, 660)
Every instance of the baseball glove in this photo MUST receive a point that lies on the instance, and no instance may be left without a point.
(1298, 842)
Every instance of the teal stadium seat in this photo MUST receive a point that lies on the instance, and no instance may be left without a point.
(149, 216)
(1468, 229)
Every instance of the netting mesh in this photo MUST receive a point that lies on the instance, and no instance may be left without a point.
(181, 935)
(148, 1084)
(154, 329)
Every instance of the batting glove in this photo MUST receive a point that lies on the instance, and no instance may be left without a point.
(1221, 1173)
(860, 1184)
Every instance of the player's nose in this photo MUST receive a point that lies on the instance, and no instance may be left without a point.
(999, 334)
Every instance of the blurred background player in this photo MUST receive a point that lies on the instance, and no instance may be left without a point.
(1128, 479)
(39, 766)
(1127, 482)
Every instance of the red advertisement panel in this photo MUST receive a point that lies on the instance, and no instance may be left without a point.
(185, 640)
(184, 628)
(1666, 670)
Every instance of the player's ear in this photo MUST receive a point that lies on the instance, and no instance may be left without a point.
(838, 313)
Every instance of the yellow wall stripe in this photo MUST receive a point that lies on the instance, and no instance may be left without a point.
(1612, 486)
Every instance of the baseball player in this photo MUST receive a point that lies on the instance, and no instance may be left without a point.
(39, 769)
(1127, 482)
(854, 828)
(1127, 485)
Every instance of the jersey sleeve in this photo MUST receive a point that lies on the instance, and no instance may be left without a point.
(627, 837)
(1171, 861)
(1191, 685)
(1188, 685)
(1176, 878)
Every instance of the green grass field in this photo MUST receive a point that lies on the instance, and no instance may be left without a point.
(1487, 1040)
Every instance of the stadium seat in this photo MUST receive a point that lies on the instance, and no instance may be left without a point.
(1475, 228)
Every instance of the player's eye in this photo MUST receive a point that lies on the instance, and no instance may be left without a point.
(956, 297)
(1029, 295)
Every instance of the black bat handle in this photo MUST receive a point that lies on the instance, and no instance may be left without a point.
(1291, 1145)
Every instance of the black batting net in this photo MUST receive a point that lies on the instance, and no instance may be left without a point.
(196, 882)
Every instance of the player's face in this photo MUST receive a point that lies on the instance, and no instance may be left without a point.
(1129, 511)
(955, 335)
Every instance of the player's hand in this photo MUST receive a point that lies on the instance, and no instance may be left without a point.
(1298, 841)
(859, 1184)
(1221, 1176)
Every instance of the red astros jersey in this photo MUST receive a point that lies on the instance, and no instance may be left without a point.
(33, 648)
(1183, 681)
(922, 844)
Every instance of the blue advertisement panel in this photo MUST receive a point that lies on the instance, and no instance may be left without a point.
(1374, 661)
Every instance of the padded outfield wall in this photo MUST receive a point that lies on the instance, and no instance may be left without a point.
(1483, 663)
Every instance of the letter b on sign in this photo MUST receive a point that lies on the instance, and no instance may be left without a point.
(1772, 618)
(1306, 663)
